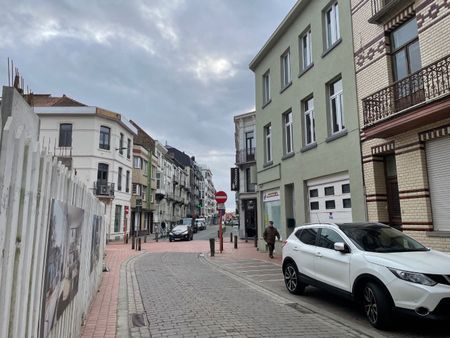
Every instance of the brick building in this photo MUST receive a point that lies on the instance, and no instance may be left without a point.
(402, 61)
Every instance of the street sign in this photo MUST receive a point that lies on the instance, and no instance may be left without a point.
(221, 206)
(221, 197)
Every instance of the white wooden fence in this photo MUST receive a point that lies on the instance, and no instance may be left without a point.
(29, 180)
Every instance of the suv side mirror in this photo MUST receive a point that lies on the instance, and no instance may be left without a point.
(341, 247)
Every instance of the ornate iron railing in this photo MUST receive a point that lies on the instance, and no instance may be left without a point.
(379, 5)
(104, 189)
(245, 155)
(427, 84)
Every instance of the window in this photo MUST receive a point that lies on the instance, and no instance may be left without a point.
(347, 203)
(65, 135)
(105, 136)
(314, 205)
(119, 180)
(288, 136)
(266, 87)
(129, 148)
(314, 193)
(268, 143)
(249, 139)
(346, 188)
(137, 162)
(136, 189)
(310, 133)
(121, 144)
(285, 69)
(144, 193)
(117, 218)
(308, 236)
(145, 167)
(306, 50)
(102, 173)
(248, 181)
(158, 180)
(336, 107)
(332, 25)
(127, 182)
(405, 50)
(329, 191)
(330, 204)
(328, 237)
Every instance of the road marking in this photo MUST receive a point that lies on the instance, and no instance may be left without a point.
(265, 274)
(271, 280)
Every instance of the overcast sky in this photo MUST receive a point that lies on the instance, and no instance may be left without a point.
(179, 68)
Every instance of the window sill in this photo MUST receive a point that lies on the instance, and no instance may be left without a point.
(438, 233)
(285, 87)
(333, 46)
(266, 104)
(267, 164)
(306, 69)
(308, 147)
(336, 136)
(289, 155)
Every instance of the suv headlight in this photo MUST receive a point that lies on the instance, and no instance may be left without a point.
(413, 277)
(184, 232)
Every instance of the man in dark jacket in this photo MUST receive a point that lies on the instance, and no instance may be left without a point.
(269, 236)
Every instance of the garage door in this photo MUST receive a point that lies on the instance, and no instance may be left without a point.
(329, 199)
(438, 163)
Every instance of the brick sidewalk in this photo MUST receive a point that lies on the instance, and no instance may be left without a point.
(101, 321)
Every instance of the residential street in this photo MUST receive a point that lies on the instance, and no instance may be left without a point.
(177, 290)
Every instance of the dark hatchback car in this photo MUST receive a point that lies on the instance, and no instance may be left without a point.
(181, 232)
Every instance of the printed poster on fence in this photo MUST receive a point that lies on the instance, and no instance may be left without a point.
(95, 244)
(62, 268)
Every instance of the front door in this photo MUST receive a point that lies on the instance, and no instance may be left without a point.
(250, 217)
(393, 199)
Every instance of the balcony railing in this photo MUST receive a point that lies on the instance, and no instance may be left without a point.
(381, 9)
(427, 84)
(245, 155)
(104, 189)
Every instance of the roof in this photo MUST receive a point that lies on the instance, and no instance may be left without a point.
(46, 100)
(281, 29)
(241, 116)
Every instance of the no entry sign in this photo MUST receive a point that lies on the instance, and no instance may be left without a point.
(221, 197)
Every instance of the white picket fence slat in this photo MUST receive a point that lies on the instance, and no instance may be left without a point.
(29, 179)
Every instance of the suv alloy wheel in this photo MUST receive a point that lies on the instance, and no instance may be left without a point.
(377, 306)
(291, 279)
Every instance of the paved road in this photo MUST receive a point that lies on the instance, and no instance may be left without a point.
(184, 296)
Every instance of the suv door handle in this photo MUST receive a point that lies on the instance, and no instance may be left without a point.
(296, 248)
(318, 254)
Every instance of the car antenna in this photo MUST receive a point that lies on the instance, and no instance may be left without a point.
(318, 219)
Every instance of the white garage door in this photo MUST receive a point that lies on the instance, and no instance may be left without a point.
(329, 199)
(438, 163)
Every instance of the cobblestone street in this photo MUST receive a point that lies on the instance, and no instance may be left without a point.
(184, 296)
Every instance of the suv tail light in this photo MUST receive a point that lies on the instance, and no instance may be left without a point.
(284, 243)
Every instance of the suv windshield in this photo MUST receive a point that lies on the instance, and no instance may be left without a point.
(380, 238)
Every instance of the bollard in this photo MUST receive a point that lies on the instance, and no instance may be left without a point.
(139, 244)
(235, 242)
(218, 234)
(256, 241)
(145, 239)
(231, 237)
(246, 237)
(156, 237)
(132, 243)
(212, 243)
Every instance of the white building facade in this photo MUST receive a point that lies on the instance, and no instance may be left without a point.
(97, 145)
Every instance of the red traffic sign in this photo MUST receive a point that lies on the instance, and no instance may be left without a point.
(221, 197)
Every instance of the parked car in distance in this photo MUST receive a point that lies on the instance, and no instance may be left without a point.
(372, 263)
(201, 223)
(181, 232)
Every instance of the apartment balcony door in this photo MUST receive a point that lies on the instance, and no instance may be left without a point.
(393, 198)
(102, 173)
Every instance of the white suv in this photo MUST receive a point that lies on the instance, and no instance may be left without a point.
(372, 263)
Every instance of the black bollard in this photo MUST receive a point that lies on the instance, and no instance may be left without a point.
(132, 243)
(231, 237)
(212, 243)
(235, 242)
(256, 241)
(139, 244)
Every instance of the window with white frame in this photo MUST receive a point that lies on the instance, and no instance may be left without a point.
(288, 133)
(332, 24)
(266, 87)
(268, 143)
(336, 107)
(145, 167)
(144, 193)
(137, 189)
(137, 162)
(285, 69)
(306, 50)
(309, 124)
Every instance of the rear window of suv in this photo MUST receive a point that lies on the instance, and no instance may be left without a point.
(307, 236)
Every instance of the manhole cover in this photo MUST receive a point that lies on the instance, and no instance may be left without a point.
(137, 319)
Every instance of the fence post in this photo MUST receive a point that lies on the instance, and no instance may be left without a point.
(212, 243)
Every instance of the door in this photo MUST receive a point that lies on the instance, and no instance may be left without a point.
(393, 198)
(250, 217)
(102, 173)
(304, 253)
(331, 267)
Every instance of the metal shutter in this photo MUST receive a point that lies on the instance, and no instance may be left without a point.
(438, 163)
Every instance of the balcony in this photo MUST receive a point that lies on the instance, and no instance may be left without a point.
(383, 9)
(245, 156)
(409, 103)
(104, 189)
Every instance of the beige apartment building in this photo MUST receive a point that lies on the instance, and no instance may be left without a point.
(402, 61)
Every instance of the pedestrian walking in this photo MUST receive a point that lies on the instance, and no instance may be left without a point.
(270, 232)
